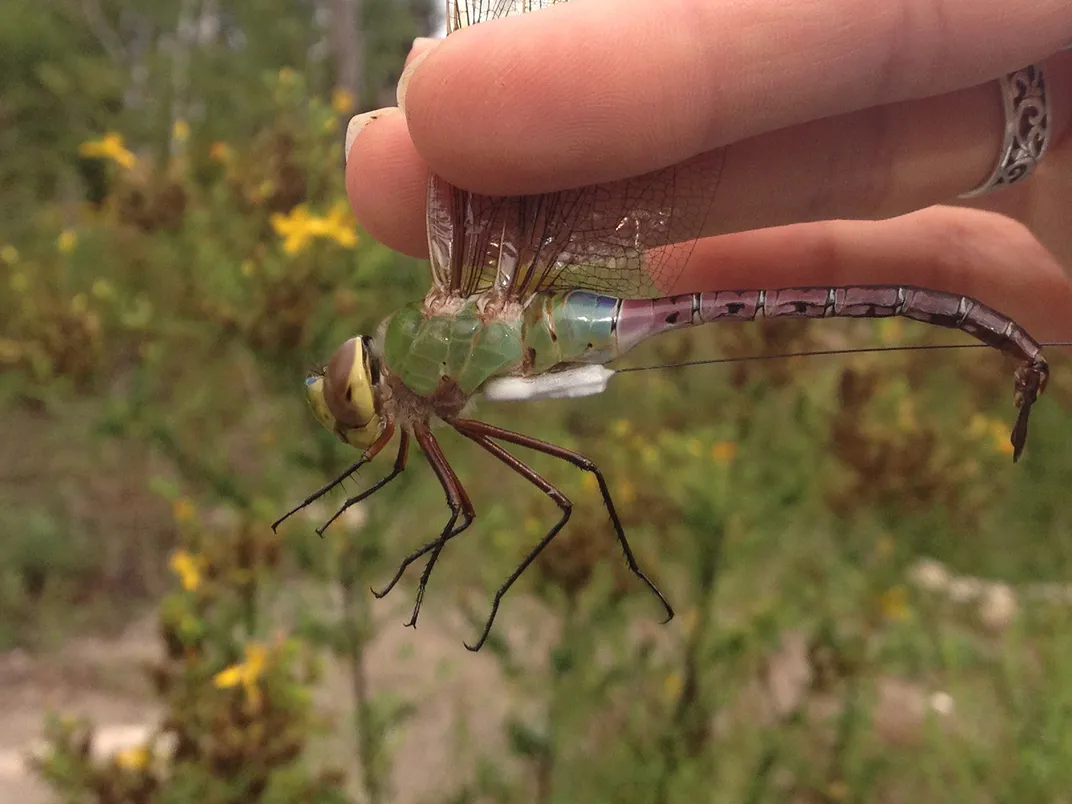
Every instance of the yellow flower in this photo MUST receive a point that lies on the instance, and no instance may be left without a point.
(723, 451)
(102, 289)
(110, 146)
(978, 426)
(220, 152)
(287, 76)
(9, 254)
(246, 673)
(342, 101)
(188, 567)
(894, 603)
(339, 225)
(133, 759)
(672, 685)
(1000, 436)
(1004, 446)
(298, 227)
(183, 510)
(67, 240)
(621, 428)
(293, 227)
(649, 454)
(180, 130)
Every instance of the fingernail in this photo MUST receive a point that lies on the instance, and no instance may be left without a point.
(353, 128)
(423, 43)
(407, 75)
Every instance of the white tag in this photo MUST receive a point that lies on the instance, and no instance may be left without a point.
(572, 382)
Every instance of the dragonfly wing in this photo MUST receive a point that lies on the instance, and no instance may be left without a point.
(630, 238)
(462, 13)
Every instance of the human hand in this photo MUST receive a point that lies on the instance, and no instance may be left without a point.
(837, 146)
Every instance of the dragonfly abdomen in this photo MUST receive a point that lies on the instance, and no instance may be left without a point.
(639, 319)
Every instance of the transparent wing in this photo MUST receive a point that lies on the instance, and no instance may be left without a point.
(630, 238)
(461, 13)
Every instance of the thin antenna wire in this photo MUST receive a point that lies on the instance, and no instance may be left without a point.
(825, 352)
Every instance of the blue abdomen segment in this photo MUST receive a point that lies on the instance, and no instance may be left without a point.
(572, 327)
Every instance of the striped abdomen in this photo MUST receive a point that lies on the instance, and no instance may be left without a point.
(639, 319)
(581, 326)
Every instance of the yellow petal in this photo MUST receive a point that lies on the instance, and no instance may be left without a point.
(723, 451)
(66, 242)
(134, 758)
(180, 130)
(230, 677)
(256, 658)
(188, 568)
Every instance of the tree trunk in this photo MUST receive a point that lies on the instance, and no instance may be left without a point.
(348, 47)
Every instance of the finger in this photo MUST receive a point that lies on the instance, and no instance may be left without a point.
(975, 253)
(591, 91)
(386, 181)
(874, 163)
(421, 45)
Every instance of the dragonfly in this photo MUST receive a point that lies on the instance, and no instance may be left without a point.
(532, 295)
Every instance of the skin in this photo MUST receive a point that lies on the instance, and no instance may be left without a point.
(846, 144)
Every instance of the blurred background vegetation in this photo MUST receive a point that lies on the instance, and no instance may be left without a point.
(871, 598)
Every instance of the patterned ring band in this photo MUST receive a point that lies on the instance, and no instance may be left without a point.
(1027, 129)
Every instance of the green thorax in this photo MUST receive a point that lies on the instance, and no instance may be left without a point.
(555, 328)
(420, 348)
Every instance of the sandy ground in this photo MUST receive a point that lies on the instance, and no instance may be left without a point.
(460, 700)
(98, 678)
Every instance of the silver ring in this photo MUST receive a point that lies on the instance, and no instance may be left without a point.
(1027, 129)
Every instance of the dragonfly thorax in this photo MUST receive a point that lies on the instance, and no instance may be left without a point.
(431, 350)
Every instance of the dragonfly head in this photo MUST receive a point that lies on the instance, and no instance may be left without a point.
(343, 396)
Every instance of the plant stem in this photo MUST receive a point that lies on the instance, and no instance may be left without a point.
(355, 637)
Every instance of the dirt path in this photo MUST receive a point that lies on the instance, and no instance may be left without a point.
(98, 678)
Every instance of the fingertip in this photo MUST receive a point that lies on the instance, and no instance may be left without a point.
(386, 182)
(422, 44)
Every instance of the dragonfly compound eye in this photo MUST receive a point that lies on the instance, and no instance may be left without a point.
(348, 395)
(314, 391)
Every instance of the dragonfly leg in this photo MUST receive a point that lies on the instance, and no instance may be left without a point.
(399, 467)
(460, 507)
(535, 479)
(367, 455)
(581, 462)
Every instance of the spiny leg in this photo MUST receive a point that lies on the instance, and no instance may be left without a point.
(367, 455)
(399, 467)
(460, 506)
(581, 462)
(442, 469)
(535, 479)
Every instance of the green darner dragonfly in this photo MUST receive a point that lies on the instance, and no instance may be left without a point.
(532, 295)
